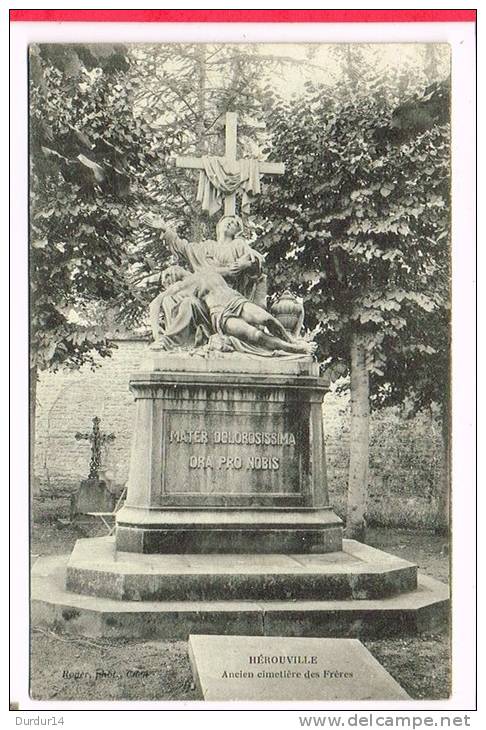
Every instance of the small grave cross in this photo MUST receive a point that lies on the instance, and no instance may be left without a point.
(231, 163)
(97, 439)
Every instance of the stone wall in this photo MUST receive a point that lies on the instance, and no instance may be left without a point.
(404, 463)
(67, 401)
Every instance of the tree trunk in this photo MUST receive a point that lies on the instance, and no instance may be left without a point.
(34, 486)
(359, 442)
(431, 63)
(197, 225)
(443, 505)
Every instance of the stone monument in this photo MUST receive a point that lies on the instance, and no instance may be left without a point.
(94, 494)
(228, 450)
(227, 526)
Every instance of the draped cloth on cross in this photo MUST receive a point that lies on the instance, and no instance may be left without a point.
(221, 177)
(215, 182)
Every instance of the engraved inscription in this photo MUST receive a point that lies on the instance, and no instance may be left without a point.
(260, 456)
(234, 462)
(244, 438)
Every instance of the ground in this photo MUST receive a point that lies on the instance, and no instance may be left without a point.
(160, 670)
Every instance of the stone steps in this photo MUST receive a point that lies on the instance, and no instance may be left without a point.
(424, 609)
(358, 572)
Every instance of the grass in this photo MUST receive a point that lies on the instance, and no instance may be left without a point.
(77, 668)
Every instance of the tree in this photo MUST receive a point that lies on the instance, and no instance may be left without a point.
(418, 375)
(106, 122)
(417, 378)
(89, 157)
(183, 92)
(360, 226)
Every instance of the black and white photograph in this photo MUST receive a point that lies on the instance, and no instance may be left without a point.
(242, 319)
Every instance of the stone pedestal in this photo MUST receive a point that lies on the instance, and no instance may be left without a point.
(93, 495)
(228, 457)
(227, 527)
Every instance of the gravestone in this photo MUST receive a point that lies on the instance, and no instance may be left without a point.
(283, 668)
(94, 494)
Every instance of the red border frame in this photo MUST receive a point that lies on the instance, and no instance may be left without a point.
(245, 16)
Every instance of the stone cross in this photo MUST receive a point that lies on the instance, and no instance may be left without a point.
(231, 163)
(97, 440)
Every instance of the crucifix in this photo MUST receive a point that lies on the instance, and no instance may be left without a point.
(97, 441)
(231, 163)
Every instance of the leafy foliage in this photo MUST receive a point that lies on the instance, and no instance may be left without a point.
(183, 92)
(106, 124)
(89, 161)
(360, 226)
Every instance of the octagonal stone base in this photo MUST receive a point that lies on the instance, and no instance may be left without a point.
(425, 608)
(358, 572)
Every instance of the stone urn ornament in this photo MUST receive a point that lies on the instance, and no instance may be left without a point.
(289, 310)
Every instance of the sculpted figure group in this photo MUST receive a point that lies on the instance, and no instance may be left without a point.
(219, 299)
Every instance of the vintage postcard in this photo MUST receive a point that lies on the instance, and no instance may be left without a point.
(243, 310)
